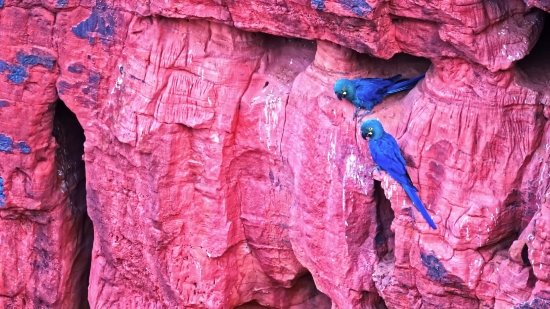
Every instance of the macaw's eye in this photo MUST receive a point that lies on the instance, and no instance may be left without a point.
(370, 129)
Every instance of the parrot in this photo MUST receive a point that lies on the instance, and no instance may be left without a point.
(387, 155)
(365, 93)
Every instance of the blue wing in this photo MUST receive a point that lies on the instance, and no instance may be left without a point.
(370, 91)
(411, 192)
(386, 153)
(404, 84)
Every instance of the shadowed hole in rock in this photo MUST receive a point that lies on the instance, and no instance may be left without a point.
(536, 65)
(252, 305)
(377, 302)
(385, 238)
(384, 241)
(69, 136)
(525, 255)
(303, 294)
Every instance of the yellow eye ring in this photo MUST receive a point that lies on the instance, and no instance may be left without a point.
(370, 129)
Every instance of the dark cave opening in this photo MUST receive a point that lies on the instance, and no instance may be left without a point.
(525, 255)
(385, 238)
(71, 172)
(252, 305)
(536, 65)
(302, 294)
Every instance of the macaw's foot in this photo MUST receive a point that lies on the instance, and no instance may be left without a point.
(364, 114)
(377, 173)
(376, 169)
(411, 213)
(356, 112)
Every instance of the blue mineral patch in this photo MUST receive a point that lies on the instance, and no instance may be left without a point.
(62, 86)
(359, 7)
(76, 68)
(100, 21)
(2, 195)
(4, 103)
(16, 73)
(3, 66)
(436, 270)
(33, 59)
(62, 3)
(318, 4)
(6, 143)
(93, 85)
(94, 78)
(26, 149)
(1, 4)
(84, 27)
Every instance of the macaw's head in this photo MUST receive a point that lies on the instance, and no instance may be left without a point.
(372, 129)
(344, 88)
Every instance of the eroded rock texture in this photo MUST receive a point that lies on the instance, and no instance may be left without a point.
(220, 171)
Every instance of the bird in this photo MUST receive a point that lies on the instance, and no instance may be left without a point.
(387, 155)
(365, 93)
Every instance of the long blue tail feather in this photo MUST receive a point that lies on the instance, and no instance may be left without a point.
(405, 84)
(411, 192)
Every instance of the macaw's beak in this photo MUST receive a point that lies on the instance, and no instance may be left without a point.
(339, 95)
(365, 134)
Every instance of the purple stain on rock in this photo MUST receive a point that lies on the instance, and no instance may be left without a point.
(93, 85)
(76, 68)
(2, 195)
(17, 74)
(35, 59)
(94, 78)
(3, 66)
(4, 104)
(359, 7)
(63, 86)
(6, 143)
(26, 149)
(318, 5)
(100, 22)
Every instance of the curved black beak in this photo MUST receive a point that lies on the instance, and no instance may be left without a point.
(339, 95)
(365, 134)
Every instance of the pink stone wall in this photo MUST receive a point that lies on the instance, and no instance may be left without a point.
(222, 172)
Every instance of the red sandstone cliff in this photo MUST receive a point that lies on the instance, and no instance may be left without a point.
(220, 171)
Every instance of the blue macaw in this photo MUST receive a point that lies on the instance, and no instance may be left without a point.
(365, 93)
(386, 154)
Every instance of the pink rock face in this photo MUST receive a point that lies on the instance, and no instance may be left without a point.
(220, 171)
